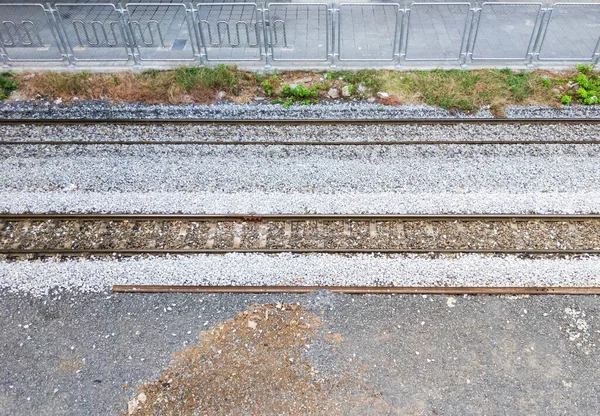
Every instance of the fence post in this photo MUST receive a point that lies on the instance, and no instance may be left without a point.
(333, 11)
(3, 54)
(473, 30)
(63, 44)
(467, 35)
(404, 34)
(541, 34)
(197, 36)
(400, 34)
(129, 34)
(596, 53)
(266, 32)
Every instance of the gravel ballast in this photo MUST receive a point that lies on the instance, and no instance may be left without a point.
(93, 275)
(301, 179)
(300, 133)
(322, 111)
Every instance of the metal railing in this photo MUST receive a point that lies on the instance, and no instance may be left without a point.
(284, 33)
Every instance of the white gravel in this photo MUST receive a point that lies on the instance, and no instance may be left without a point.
(93, 275)
(301, 203)
(323, 110)
(300, 179)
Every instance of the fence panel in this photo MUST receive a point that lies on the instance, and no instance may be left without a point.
(93, 31)
(230, 31)
(161, 32)
(572, 32)
(368, 31)
(436, 31)
(299, 32)
(27, 34)
(505, 31)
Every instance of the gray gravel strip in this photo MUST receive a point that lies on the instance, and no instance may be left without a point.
(261, 203)
(321, 111)
(338, 133)
(299, 179)
(93, 275)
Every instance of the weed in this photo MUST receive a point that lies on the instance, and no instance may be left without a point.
(588, 87)
(518, 84)
(258, 77)
(151, 73)
(298, 92)
(8, 84)
(266, 84)
(269, 85)
(585, 69)
(222, 77)
(565, 100)
(368, 78)
(546, 82)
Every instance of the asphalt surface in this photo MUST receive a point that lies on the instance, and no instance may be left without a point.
(75, 354)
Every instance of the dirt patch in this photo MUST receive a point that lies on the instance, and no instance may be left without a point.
(255, 363)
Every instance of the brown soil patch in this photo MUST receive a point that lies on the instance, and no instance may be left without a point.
(254, 363)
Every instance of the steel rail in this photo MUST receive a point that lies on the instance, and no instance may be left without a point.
(362, 290)
(300, 217)
(297, 143)
(137, 252)
(291, 121)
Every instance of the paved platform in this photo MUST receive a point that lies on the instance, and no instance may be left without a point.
(73, 354)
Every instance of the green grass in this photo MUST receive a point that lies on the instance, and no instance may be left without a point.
(8, 84)
(468, 91)
(222, 78)
(304, 96)
(369, 78)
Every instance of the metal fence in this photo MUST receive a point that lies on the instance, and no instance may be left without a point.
(284, 33)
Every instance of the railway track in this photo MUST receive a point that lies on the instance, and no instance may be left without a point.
(40, 123)
(103, 235)
(83, 235)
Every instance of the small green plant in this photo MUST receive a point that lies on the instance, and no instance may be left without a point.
(269, 85)
(259, 78)
(350, 89)
(8, 84)
(546, 82)
(368, 78)
(266, 84)
(587, 83)
(565, 100)
(298, 92)
(585, 69)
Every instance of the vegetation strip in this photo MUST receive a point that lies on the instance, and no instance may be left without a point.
(363, 290)
(455, 90)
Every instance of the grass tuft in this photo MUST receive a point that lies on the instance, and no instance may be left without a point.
(8, 84)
